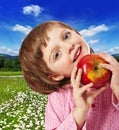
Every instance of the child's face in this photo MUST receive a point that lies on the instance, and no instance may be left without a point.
(64, 49)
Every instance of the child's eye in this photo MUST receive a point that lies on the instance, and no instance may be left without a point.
(57, 55)
(66, 35)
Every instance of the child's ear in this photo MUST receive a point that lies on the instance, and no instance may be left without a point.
(56, 77)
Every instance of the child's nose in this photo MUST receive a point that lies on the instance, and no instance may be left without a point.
(69, 48)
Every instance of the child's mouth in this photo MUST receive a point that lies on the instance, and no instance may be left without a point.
(78, 52)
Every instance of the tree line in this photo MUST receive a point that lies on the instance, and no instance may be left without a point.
(9, 64)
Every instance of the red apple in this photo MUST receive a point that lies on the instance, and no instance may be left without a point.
(92, 72)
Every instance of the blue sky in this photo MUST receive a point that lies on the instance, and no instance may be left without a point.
(96, 20)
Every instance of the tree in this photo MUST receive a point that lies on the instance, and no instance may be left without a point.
(9, 64)
(1, 62)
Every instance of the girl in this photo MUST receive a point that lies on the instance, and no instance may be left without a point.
(49, 56)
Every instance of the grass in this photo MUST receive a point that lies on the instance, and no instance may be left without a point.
(20, 108)
(10, 73)
(9, 87)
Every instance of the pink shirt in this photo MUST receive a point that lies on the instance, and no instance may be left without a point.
(103, 115)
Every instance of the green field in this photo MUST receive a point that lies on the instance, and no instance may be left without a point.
(10, 73)
(20, 108)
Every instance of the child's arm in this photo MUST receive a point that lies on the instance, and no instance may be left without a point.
(83, 98)
(113, 66)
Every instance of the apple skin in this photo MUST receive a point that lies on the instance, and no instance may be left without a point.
(92, 72)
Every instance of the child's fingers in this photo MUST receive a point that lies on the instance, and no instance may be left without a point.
(73, 74)
(104, 56)
(78, 77)
(86, 87)
(93, 94)
(76, 81)
(110, 59)
(73, 78)
(98, 91)
(113, 64)
(106, 66)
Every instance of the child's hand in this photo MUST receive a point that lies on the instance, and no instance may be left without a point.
(113, 66)
(83, 98)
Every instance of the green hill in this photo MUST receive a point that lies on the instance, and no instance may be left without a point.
(116, 56)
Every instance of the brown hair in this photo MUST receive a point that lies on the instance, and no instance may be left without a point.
(34, 69)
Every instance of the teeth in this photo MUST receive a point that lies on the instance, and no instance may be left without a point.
(78, 52)
(76, 55)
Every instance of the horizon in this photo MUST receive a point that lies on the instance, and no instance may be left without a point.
(18, 55)
(96, 21)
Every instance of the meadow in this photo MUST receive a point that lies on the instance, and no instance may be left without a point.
(20, 107)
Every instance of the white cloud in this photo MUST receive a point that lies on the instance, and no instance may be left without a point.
(23, 29)
(114, 50)
(32, 9)
(93, 41)
(5, 50)
(97, 50)
(93, 30)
